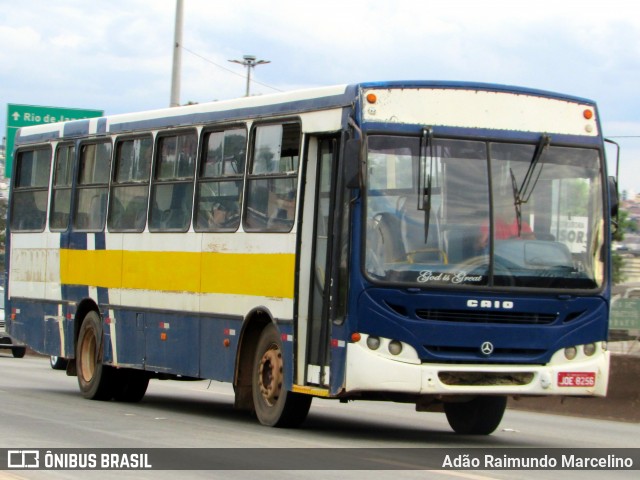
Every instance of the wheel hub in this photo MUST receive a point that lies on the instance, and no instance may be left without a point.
(270, 375)
(88, 358)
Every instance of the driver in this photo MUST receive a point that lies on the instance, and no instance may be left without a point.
(505, 226)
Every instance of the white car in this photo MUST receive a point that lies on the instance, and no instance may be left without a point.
(6, 342)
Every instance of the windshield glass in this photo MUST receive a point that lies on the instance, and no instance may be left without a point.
(456, 212)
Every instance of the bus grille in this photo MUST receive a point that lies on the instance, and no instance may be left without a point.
(476, 316)
(457, 352)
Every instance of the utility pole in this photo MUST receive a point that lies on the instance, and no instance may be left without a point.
(177, 56)
(250, 62)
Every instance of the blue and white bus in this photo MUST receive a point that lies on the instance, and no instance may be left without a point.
(438, 243)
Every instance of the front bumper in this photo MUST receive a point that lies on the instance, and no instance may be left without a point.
(378, 371)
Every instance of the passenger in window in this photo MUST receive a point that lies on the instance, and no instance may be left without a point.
(285, 206)
(223, 215)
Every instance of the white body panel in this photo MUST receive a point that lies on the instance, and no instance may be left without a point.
(479, 109)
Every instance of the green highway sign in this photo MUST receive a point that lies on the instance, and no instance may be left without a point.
(26, 115)
(625, 314)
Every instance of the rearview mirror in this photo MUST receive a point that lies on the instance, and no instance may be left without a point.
(352, 163)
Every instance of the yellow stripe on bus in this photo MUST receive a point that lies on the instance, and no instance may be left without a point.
(315, 391)
(267, 275)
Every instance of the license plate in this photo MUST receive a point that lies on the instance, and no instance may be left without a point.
(576, 379)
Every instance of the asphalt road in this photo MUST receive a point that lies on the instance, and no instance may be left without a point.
(42, 408)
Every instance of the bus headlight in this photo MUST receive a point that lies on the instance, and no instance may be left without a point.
(395, 347)
(373, 342)
(589, 349)
(570, 353)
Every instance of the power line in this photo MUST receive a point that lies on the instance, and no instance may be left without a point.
(227, 69)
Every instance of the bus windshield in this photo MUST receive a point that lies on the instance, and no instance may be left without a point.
(444, 212)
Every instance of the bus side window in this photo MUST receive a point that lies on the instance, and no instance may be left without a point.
(130, 187)
(172, 187)
(31, 190)
(220, 181)
(273, 179)
(62, 181)
(93, 184)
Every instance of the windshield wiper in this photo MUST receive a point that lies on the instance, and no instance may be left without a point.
(523, 193)
(424, 178)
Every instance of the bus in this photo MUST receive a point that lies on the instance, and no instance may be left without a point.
(444, 244)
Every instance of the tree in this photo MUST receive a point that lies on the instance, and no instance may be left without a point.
(625, 224)
(3, 230)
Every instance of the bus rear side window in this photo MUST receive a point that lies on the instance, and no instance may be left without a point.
(31, 190)
(93, 187)
(220, 181)
(172, 190)
(130, 188)
(62, 181)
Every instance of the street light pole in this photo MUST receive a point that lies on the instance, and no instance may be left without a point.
(177, 56)
(250, 62)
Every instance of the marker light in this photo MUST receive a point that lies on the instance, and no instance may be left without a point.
(355, 337)
(570, 353)
(589, 349)
(372, 98)
(373, 342)
(588, 114)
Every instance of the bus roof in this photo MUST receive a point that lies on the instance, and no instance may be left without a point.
(277, 104)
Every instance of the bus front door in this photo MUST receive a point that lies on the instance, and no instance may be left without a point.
(315, 267)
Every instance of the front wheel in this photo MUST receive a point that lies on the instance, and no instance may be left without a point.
(480, 416)
(94, 378)
(275, 406)
(130, 385)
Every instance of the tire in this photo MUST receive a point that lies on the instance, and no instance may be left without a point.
(274, 405)
(480, 416)
(18, 352)
(129, 385)
(58, 363)
(94, 378)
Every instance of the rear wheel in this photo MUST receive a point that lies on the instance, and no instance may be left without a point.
(274, 405)
(480, 416)
(18, 352)
(94, 378)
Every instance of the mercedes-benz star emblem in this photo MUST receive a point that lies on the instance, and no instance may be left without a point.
(486, 348)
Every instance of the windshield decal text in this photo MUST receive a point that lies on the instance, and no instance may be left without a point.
(426, 276)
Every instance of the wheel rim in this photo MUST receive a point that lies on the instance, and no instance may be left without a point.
(270, 375)
(88, 357)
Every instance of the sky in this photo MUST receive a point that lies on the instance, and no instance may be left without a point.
(116, 55)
